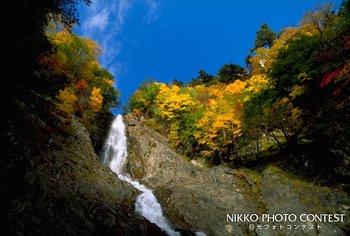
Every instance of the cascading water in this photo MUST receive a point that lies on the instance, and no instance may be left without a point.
(115, 157)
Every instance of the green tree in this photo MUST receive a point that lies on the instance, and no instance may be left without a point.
(77, 56)
(230, 72)
(143, 101)
(264, 37)
(178, 83)
(267, 113)
(202, 78)
(319, 19)
(301, 57)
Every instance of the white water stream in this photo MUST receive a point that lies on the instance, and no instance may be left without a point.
(115, 156)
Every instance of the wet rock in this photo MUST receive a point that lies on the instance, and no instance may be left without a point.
(184, 232)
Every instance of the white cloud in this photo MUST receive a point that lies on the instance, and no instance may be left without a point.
(106, 17)
(122, 10)
(98, 21)
(153, 10)
(103, 22)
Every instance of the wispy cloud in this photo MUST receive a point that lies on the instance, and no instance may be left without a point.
(97, 21)
(122, 10)
(105, 17)
(104, 21)
(153, 10)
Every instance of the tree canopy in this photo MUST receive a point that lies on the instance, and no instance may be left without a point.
(264, 37)
(294, 93)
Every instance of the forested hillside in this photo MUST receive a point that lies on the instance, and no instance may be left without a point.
(55, 65)
(292, 98)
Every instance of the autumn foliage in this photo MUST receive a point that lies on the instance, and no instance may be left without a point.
(85, 89)
(206, 118)
(294, 91)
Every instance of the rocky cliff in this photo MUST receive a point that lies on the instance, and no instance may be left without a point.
(53, 183)
(199, 199)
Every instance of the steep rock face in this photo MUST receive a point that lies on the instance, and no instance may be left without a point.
(282, 193)
(193, 198)
(199, 199)
(52, 182)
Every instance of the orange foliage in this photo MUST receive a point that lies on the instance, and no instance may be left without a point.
(81, 86)
(96, 99)
(66, 101)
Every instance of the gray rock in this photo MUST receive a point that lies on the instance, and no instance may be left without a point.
(53, 183)
(195, 198)
(285, 194)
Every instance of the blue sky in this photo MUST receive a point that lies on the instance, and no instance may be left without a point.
(174, 39)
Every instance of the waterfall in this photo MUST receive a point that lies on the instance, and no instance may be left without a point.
(116, 147)
(115, 156)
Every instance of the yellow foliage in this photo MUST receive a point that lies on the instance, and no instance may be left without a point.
(216, 90)
(110, 82)
(175, 88)
(296, 114)
(287, 33)
(220, 124)
(63, 37)
(89, 70)
(264, 57)
(66, 101)
(171, 102)
(260, 61)
(256, 83)
(76, 56)
(297, 90)
(96, 99)
(93, 66)
(236, 87)
(200, 88)
(93, 46)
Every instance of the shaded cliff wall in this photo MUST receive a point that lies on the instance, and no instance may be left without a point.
(52, 182)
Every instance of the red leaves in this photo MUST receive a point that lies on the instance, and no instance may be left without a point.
(80, 86)
(51, 63)
(330, 76)
(339, 76)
